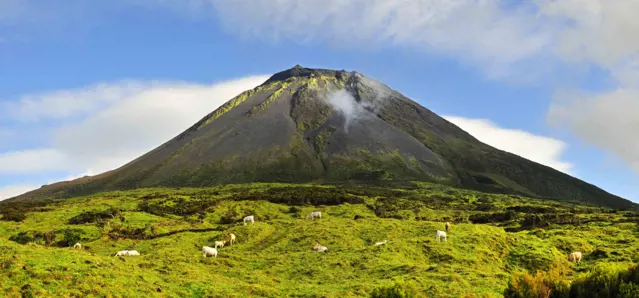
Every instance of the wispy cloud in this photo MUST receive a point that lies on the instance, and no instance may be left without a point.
(606, 120)
(485, 33)
(118, 124)
(541, 149)
(31, 161)
(67, 103)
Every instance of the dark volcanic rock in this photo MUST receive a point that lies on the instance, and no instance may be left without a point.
(315, 125)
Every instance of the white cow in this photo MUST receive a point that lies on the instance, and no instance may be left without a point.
(231, 239)
(441, 234)
(209, 251)
(219, 244)
(249, 218)
(381, 243)
(575, 257)
(320, 248)
(77, 246)
(127, 253)
(315, 214)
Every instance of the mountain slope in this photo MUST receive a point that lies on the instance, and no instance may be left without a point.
(313, 125)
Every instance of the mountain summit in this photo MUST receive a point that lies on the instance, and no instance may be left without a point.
(318, 125)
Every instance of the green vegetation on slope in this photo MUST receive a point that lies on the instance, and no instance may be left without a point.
(492, 238)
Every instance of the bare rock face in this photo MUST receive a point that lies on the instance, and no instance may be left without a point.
(317, 125)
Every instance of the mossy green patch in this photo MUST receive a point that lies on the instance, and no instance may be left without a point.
(280, 87)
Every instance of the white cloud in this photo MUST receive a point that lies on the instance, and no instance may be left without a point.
(67, 103)
(31, 161)
(607, 120)
(14, 190)
(543, 150)
(488, 33)
(120, 123)
(599, 34)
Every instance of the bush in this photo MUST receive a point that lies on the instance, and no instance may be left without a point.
(49, 237)
(398, 290)
(14, 215)
(605, 282)
(94, 216)
(294, 209)
(177, 206)
(532, 221)
(550, 284)
(482, 218)
(119, 231)
(405, 214)
(300, 196)
(71, 237)
(22, 238)
(229, 217)
(628, 290)
(396, 208)
(600, 283)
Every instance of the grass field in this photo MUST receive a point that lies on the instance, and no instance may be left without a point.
(492, 237)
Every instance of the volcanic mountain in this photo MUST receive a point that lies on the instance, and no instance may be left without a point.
(328, 126)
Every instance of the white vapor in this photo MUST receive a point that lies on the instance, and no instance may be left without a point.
(543, 150)
(343, 102)
(111, 124)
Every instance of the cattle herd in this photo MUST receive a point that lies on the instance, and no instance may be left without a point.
(208, 251)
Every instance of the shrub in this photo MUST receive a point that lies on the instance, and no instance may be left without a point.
(22, 238)
(404, 214)
(550, 284)
(176, 206)
(398, 290)
(49, 237)
(482, 218)
(605, 282)
(294, 209)
(534, 221)
(396, 207)
(485, 207)
(118, 231)
(600, 283)
(14, 215)
(299, 196)
(94, 216)
(229, 217)
(71, 236)
(629, 290)
(530, 209)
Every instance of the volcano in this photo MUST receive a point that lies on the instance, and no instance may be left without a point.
(331, 126)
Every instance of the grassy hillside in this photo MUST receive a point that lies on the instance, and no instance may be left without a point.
(492, 238)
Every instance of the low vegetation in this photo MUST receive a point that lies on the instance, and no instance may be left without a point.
(499, 245)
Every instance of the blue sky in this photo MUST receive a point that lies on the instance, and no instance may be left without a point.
(85, 88)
